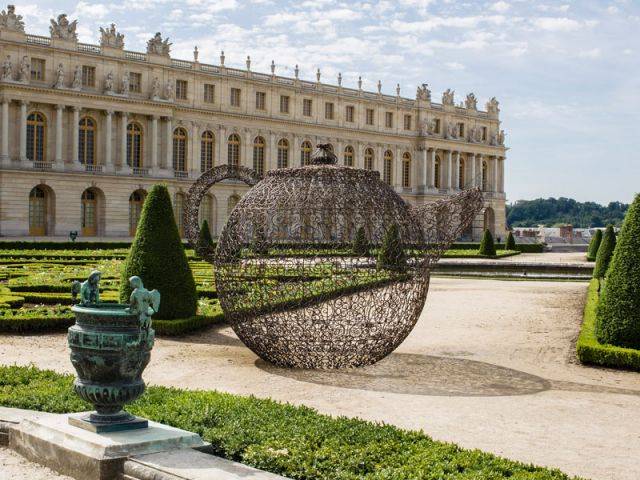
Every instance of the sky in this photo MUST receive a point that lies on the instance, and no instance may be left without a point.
(566, 73)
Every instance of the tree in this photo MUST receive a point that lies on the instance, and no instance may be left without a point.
(618, 312)
(487, 247)
(360, 245)
(204, 240)
(392, 255)
(511, 242)
(594, 244)
(605, 252)
(157, 256)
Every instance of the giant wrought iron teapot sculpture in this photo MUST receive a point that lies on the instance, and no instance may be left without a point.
(288, 281)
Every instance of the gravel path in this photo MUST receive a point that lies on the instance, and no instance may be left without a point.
(14, 467)
(490, 365)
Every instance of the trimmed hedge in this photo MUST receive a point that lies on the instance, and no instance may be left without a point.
(45, 245)
(594, 245)
(591, 351)
(605, 252)
(392, 255)
(618, 315)
(487, 246)
(521, 247)
(158, 258)
(293, 441)
(510, 244)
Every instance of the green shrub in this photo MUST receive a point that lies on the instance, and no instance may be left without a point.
(605, 252)
(594, 245)
(360, 245)
(205, 241)
(618, 316)
(487, 247)
(511, 242)
(293, 441)
(392, 255)
(158, 258)
(591, 351)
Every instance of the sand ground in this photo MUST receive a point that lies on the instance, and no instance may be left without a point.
(490, 365)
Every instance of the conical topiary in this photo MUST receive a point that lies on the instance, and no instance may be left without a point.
(259, 243)
(605, 252)
(205, 240)
(511, 242)
(594, 244)
(158, 258)
(487, 247)
(360, 245)
(392, 255)
(618, 312)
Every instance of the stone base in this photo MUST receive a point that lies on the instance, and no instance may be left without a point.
(88, 422)
(83, 454)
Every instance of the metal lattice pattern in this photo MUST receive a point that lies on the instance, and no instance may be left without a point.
(288, 281)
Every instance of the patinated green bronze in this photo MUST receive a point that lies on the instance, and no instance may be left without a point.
(110, 348)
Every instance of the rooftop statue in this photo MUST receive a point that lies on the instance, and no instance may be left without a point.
(110, 37)
(471, 103)
(158, 46)
(63, 29)
(89, 290)
(423, 93)
(492, 106)
(448, 97)
(10, 21)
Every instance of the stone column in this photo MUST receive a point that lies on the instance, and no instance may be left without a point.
(58, 145)
(124, 120)
(108, 134)
(501, 163)
(75, 135)
(194, 156)
(432, 166)
(4, 143)
(425, 169)
(154, 145)
(456, 172)
(479, 169)
(449, 170)
(168, 158)
(495, 174)
(271, 153)
(23, 130)
(248, 148)
(221, 144)
(472, 159)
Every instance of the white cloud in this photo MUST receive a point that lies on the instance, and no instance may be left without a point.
(454, 66)
(500, 6)
(592, 53)
(556, 24)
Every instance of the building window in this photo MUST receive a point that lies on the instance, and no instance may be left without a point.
(368, 159)
(234, 98)
(306, 107)
(406, 170)
(88, 76)
(369, 116)
(136, 200)
(284, 104)
(485, 176)
(436, 173)
(37, 211)
(135, 82)
(36, 134)
(180, 150)
(283, 153)
(87, 141)
(407, 122)
(178, 212)
(328, 110)
(305, 153)
(348, 156)
(261, 101)
(387, 172)
(134, 145)
(436, 125)
(209, 93)
(258, 155)
(349, 113)
(461, 174)
(484, 134)
(207, 145)
(38, 69)
(460, 130)
(181, 89)
(233, 150)
(388, 119)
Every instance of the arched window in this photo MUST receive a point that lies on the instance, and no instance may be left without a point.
(436, 173)
(178, 211)
(134, 145)
(485, 175)
(348, 156)
(406, 170)
(387, 172)
(87, 141)
(258, 155)
(136, 200)
(283, 153)
(36, 137)
(461, 178)
(37, 212)
(89, 213)
(368, 159)
(207, 144)
(207, 213)
(305, 153)
(180, 150)
(233, 150)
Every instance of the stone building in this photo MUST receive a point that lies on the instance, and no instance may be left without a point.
(86, 130)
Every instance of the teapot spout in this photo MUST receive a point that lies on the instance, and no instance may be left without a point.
(443, 221)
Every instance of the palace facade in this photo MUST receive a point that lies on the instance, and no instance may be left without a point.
(86, 130)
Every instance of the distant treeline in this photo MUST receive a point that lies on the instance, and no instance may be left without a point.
(555, 211)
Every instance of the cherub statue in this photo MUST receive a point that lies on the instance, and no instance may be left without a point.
(25, 70)
(7, 69)
(77, 78)
(59, 77)
(143, 302)
(89, 290)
